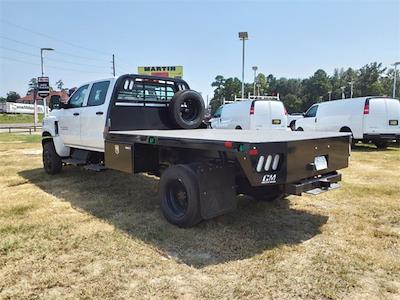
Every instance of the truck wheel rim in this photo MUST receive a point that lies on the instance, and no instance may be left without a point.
(189, 110)
(177, 198)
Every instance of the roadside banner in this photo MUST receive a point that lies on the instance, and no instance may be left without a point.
(163, 71)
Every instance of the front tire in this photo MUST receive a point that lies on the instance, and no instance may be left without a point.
(179, 196)
(52, 163)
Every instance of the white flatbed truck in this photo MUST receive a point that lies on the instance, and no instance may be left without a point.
(154, 125)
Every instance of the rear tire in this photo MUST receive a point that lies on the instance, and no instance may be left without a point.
(381, 145)
(52, 163)
(179, 196)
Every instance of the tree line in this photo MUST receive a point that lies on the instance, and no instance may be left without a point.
(299, 94)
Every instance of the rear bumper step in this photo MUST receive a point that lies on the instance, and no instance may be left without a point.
(314, 185)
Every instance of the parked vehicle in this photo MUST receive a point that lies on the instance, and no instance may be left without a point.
(150, 124)
(291, 120)
(256, 113)
(368, 119)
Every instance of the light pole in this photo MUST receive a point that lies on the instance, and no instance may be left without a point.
(394, 78)
(35, 116)
(255, 79)
(351, 89)
(41, 57)
(243, 36)
(342, 88)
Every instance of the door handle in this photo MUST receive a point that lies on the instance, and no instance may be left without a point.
(76, 114)
(315, 120)
(99, 113)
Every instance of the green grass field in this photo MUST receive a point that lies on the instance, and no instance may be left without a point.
(18, 118)
(81, 234)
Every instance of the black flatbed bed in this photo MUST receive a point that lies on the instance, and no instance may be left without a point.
(221, 135)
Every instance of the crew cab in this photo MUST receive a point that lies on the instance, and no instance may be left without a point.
(149, 124)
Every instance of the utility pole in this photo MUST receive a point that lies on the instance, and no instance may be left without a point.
(113, 64)
(394, 79)
(243, 36)
(351, 89)
(35, 112)
(330, 95)
(255, 79)
(342, 88)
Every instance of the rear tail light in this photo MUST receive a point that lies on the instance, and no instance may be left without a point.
(366, 107)
(260, 164)
(268, 163)
(252, 108)
(228, 144)
(285, 111)
(276, 162)
(253, 152)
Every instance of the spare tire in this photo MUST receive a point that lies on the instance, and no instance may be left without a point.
(186, 109)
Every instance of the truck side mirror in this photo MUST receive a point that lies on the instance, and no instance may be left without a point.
(55, 102)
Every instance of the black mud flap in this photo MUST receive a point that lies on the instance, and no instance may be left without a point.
(217, 189)
(315, 185)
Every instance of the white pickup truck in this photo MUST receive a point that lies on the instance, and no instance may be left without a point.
(155, 125)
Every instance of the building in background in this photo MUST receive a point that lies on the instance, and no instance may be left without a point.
(28, 99)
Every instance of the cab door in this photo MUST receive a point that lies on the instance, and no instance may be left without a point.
(93, 116)
(309, 122)
(69, 120)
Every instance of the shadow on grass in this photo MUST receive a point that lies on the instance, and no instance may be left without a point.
(372, 148)
(130, 203)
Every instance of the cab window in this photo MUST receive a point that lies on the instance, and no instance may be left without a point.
(77, 98)
(311, 112)
(98, 93)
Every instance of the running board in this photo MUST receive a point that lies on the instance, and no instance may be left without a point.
(95, 167)
(74, 161)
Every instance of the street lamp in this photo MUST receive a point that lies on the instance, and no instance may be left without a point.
(255, 79)
(41, 57)
(243, 36)
(394, 79)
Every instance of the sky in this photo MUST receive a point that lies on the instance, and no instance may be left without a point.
(286, 38)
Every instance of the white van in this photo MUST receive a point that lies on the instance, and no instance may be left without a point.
(251, 114)
(369, 119)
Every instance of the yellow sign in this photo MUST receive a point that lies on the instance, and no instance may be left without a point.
(163, 71)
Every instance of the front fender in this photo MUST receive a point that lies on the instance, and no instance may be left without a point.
(50, 131)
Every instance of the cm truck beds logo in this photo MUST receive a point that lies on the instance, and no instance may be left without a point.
(269, 178)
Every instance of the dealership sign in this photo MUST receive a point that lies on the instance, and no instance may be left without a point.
(43, 86)
(163, 71)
